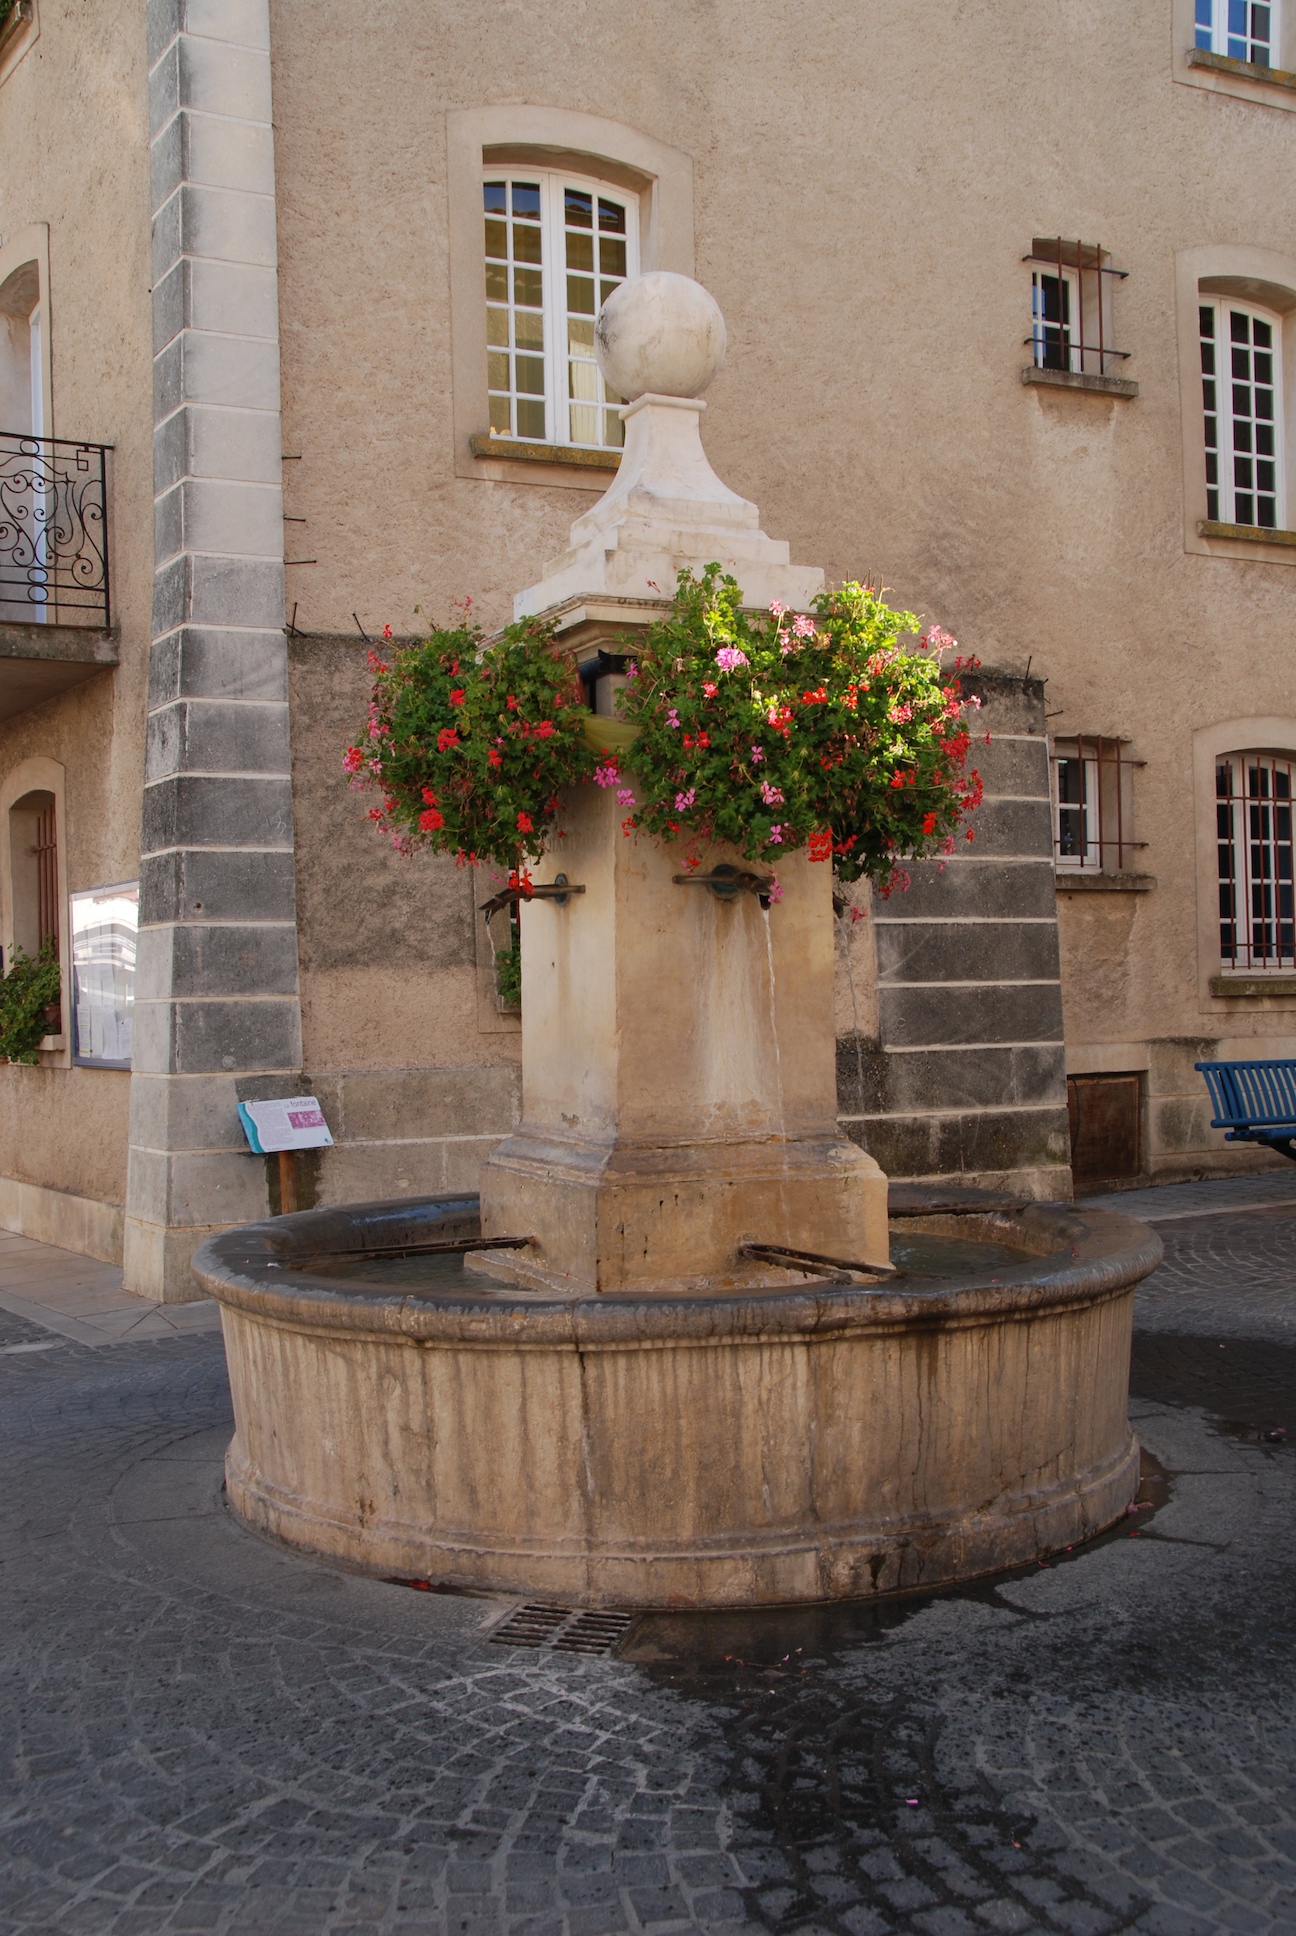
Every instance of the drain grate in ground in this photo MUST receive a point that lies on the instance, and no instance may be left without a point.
(563, 1630)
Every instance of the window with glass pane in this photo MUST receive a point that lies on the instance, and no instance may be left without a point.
(1245, 30)
(1253, 821)
(515, 323)
(1054, 304)
(1076, 788)
(556, 248)
(1241, 410)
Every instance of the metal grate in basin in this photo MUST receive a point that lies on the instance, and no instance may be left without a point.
(563, 1630)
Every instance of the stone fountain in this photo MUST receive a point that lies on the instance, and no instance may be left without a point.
(644, 1390)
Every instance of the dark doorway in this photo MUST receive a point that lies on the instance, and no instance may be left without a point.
(1104, 1113)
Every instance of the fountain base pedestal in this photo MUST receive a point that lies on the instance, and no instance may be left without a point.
(669, 1221)
(678, 1076)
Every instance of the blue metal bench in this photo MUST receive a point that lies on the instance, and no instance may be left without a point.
(1254, 1101)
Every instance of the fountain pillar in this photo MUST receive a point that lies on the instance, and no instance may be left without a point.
(678, 1075)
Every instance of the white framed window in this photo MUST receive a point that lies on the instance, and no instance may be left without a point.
(1075, 808)
(1242, 410)
(1245, 30)
(556, 246)
(1055, 317)
(1071, 307)
(1253, 835)
(1093, 804)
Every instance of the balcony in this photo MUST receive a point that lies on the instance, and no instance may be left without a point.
(55, 611)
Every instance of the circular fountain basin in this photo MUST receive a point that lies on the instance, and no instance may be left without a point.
(817, 1442)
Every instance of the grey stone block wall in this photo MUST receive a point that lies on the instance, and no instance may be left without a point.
(967, 1078)
(217, 988)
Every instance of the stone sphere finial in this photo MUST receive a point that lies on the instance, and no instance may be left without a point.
(662, 333)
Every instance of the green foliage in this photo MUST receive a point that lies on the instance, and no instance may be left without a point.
(470, 749)
(30, 986)
(830, 731)
(508, 967)
(782, 732)
(6, 8)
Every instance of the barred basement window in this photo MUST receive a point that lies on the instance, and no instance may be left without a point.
(1253, 823)
(556, 248)
(1092, 789)
(1242, 406)
(1243, 29)
(1071, 325)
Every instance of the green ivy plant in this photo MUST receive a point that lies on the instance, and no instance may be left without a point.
(508, 966)
(31, 985)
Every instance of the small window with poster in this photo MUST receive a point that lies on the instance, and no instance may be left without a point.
(104, 924)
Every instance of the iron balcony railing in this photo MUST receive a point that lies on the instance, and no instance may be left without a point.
(53, 531)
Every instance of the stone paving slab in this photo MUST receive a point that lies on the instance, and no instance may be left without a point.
(84, 1300)
(1209, 1196)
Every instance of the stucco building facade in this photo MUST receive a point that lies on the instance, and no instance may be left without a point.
(976, 263)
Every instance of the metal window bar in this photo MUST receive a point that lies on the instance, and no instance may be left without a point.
(53, 530)
(1257, 893)
(1090, 804)
(47, 888)
(1059, 342)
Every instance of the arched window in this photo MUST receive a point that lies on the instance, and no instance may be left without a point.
(1242, 402)
(34, 871)
(1253, 830)
(22, 386)
(557, 245)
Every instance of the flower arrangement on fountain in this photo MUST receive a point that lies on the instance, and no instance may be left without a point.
(471, 748)
(821, 730)
(829, 731)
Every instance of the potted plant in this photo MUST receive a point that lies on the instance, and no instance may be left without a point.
(29, 1003)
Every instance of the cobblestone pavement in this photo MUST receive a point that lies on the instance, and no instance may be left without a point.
(201, 1733)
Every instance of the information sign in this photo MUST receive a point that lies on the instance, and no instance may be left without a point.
(289, 1123)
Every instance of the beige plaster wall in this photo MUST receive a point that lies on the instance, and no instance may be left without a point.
(866, 182)
(74, 157)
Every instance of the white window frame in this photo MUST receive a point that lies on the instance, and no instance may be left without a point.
(558, 403)
(1070, 280)
(1256, 823)
(1228, 27)
(1222, 495)
(1103, 816)
(1083, 811)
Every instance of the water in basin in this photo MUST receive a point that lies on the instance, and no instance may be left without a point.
(439, 1273)
(929, 1253)
(916, 1253)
